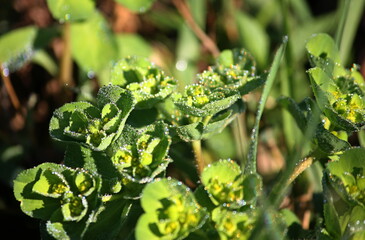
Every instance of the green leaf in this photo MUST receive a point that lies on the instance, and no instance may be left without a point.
(329, 97)
(51, 184)
(109, 222)
(233, 225)
(199, 130)
(94, 127)
(347, 174)
(129, 70)
(17, 47)
(139, 6)
(141, 156)
(320, 48)
(253, 37)
(33, 204)
(332, 221)
(70, 11)
(171, 211)
(201, 102)
(148, 83)
(93, 45)
(54, 192)
(226, 185)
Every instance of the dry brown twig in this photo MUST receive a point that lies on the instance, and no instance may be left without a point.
(208, 43)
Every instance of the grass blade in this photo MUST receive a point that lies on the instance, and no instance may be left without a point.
(252, 152)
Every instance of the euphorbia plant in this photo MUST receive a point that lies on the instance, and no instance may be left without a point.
(112, 183)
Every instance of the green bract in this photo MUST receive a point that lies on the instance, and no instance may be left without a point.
(349, 173)
(235, 69)
(93, 126)
(148, 84)
(141, 155)
(233, 225)
(200, 101)
(171, 211)
(339, 92)
(55, 192)
(228, 187)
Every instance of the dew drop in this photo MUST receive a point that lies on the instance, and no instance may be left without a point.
(181, 65)
(5, 71)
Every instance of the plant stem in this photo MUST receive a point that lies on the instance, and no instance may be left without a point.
(9, 88)
(341, 25)
(66, 60)
(240, 134)
(197, 148)
(300, 168)
(208, 43)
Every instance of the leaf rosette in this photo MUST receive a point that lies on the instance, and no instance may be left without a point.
(148, 83)
(57, 193)
(140, 155)
(232, 225)
(339, 92)
(171, 211)
(189, 128)
(200, 101)
(93, 126)
(234, 69)
(347, 176)
(228, 187)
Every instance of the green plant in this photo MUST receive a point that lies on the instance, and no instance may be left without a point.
(113, 182)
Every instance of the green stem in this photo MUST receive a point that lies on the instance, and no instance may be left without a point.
(239, 132)
(197, 148)
(341, 25)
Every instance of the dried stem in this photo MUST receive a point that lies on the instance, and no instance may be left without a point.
(204, 38)
(9, 88)
(301, 167)
(197, 148)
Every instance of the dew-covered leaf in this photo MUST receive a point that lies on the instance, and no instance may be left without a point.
(348, 174)
(148, 83)
(331, 220)
(328, 96)
(199, 101)
(53, 192)
(233, 225)
(171, 211)
(91, 126)
(322, 51)
(223, 180)
(139, 6)
(71, 11)
(140, 156)
(17, 47)
(109, 221)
